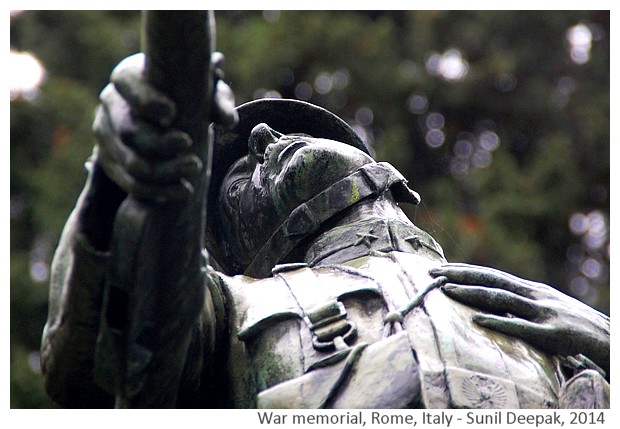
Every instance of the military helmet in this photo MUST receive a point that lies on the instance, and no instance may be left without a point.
(283, 115)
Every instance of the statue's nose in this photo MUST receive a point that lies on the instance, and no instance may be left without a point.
(261, 136)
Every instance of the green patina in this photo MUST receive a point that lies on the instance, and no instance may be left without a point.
(355, 194)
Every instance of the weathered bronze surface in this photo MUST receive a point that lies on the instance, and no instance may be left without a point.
(315, 290)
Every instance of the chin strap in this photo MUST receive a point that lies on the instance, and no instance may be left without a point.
(370, 180)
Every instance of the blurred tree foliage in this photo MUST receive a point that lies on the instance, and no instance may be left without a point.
(499, 119)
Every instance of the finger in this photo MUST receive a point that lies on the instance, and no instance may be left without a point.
(217, 59)
(112, 155)
(162, 172)
(224, 105)
(459, 268)
(149, 143)
(515, 327)
(141, 136)
(111, 149)
(544, 337)
(145, 100)
(146, 191)
(497, 301)
(161, 194)
(117, 112)
(476, 275)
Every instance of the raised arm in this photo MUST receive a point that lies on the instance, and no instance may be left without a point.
(140, 155)
(76, 294)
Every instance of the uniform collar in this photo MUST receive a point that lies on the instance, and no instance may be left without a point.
(366, 237)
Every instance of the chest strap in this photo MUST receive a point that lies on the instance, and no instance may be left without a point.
(324, 314)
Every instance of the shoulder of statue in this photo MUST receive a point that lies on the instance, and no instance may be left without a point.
(292, 291)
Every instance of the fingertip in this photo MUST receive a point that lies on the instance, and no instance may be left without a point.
(171, 144)
(484, 320)
(158, 108)
(449, 287)
(193, 166)
(176, 141)
(106, 92)
(217, 59)
(479, 318)
(188, 187)
(129, 66)
(224, 106)
(437, 271)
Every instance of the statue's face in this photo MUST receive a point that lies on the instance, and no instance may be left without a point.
(280, 172)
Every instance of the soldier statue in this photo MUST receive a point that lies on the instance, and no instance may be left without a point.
(314, 291)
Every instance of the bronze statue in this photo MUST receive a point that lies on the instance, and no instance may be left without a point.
(316, 290)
